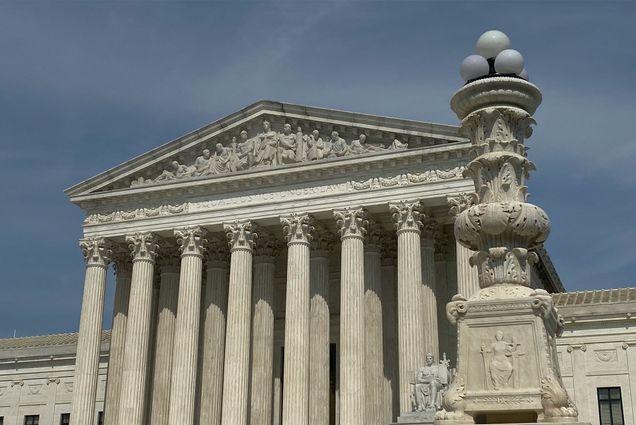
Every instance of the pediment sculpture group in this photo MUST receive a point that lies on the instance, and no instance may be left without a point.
(269, 148)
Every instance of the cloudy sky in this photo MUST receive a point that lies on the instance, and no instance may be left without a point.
(85, 86)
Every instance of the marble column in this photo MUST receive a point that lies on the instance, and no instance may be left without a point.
(352, 228)
(467, 277)
(215, 313)
(263, 330)
(183, 386)
(409, 281)
(133, 385)
(97, 256)
(123, 270)
(164, 342)
(374, 358)
(429, 294)
(298, 229)
(278, 385)
(237, 344)
(389, 327)
(321, 246)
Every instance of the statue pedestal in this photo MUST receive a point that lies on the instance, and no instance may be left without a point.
(416, 418)
(507, 369)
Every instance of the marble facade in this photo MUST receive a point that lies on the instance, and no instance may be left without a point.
(289, 278)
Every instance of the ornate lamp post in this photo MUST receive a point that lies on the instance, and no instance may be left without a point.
(507, 367)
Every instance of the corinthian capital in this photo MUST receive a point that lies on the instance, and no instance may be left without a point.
(352, 222)
(298, 228)
(96, 251)
(143, 246)
(406, 215)
(241, 235)
(191, 240)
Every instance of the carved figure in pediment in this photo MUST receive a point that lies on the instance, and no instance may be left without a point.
(176, 171)
(338, 145)
(361, 146)
(301, 145)
(397, 145)
(316, 148)
(202, 163)
(286, 146)
(266, 148)
(220, 162)
(501, 362)
(239, 156)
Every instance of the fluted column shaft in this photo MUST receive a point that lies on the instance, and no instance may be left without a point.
(429, 298)
(298, 229)
(374, 358)
(409, 282)
(319, 330)
(133, 386)
(97, 256)
(351, 223)
(237, 346)
(467, 277)
(215, 313)
(262, 339)
(164, 345)
(186, 340)
(123, 270)
(389, 327)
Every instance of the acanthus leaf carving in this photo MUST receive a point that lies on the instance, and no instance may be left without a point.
(191, 240)
(143, 246)
(298, 228)
(406, 215)
(96, 251)
(352, 222)
(241, 235)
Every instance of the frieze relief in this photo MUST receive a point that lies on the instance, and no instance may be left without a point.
(606, 356)
(372, 183)
(268, 148)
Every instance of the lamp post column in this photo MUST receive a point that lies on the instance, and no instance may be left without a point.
(409, 282)
(352, 227)
(123, 270)
(133, 387)
(237, 346)
(97, 256)
(298, 230)
(467, 276)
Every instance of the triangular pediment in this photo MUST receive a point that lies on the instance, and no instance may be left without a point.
(242, 143)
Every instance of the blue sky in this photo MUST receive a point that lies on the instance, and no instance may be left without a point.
(85, 86)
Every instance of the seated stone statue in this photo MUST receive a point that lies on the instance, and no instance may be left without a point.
(202, 163)
(429, 384)
(220, 162)
(266, 150)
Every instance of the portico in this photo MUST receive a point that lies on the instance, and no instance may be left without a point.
(299, 270)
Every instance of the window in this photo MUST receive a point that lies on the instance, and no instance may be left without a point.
(32, 420)
(610, 406)
(65, 419)
(100, 418)
(1, 420)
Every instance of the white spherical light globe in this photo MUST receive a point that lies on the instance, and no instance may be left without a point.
(474, 66)
(490, 43)
(509, 61)
(524, 74)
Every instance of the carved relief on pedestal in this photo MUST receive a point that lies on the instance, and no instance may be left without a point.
(501, 362)
(268, 148)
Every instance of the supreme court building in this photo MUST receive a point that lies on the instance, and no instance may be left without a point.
(284, 264)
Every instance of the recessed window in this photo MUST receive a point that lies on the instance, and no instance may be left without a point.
(610, 406)
(32, 420)
(100, 418)
(65, 419)
(1, 420)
